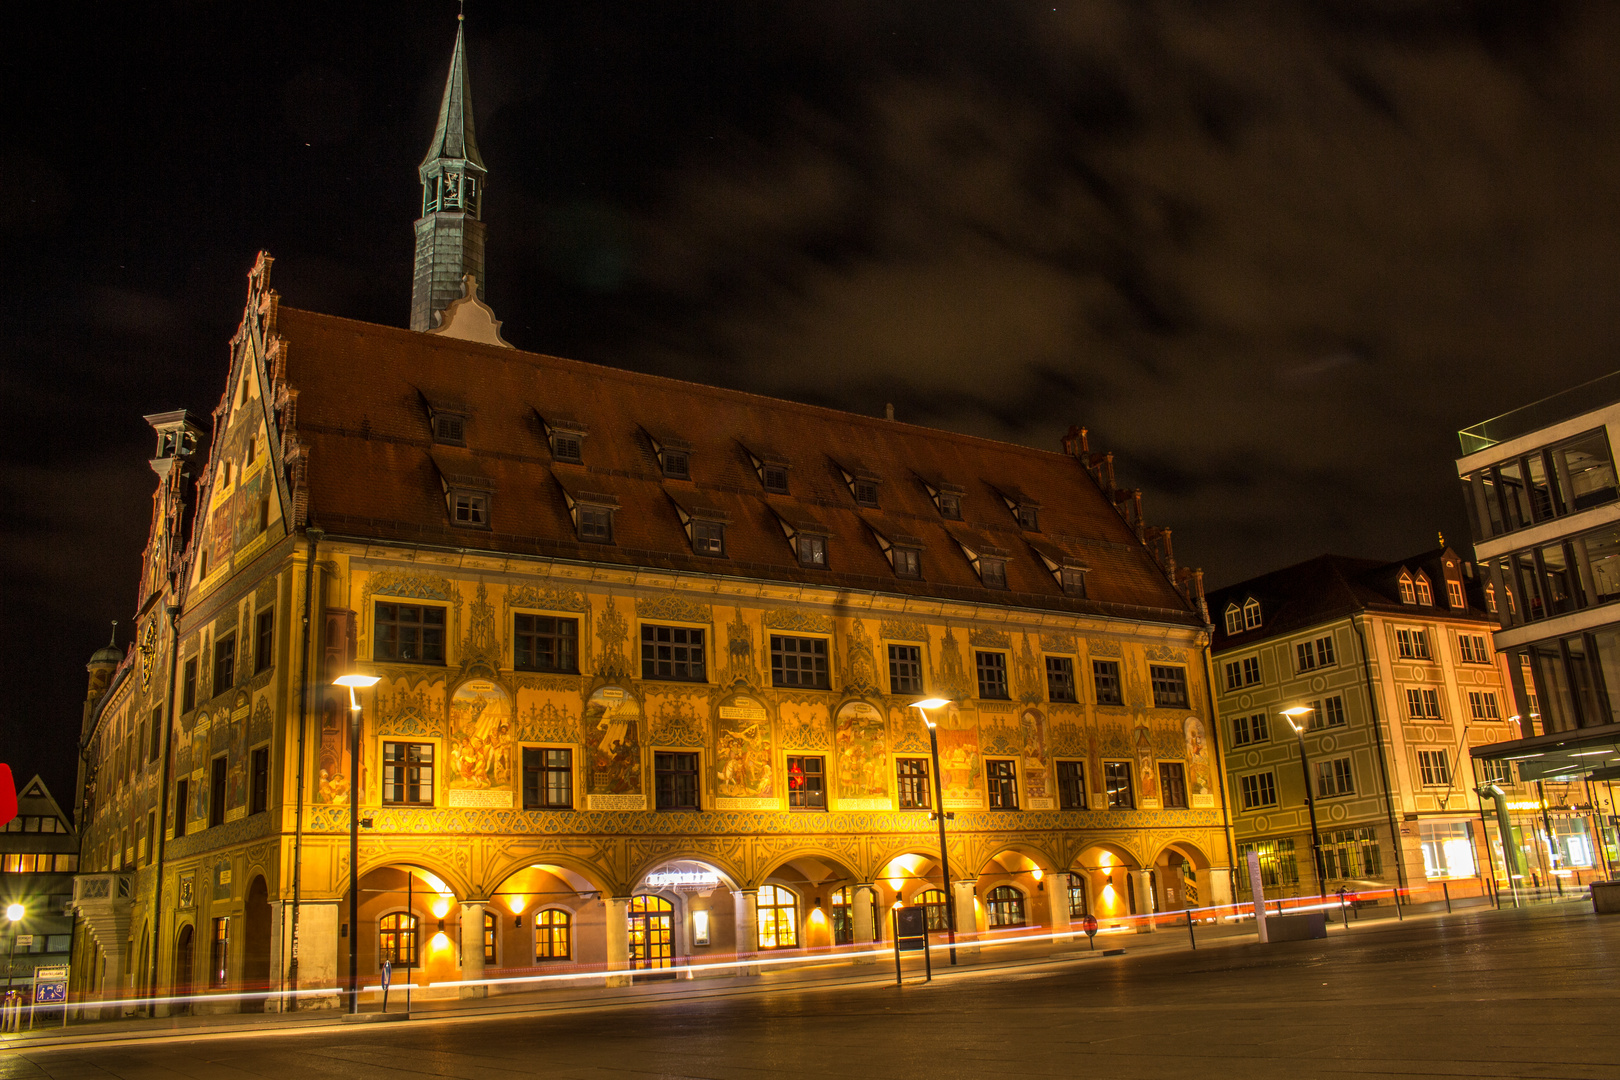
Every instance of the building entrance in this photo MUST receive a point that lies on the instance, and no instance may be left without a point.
(652, 933)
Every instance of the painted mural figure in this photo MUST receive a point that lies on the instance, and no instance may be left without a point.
(1032, 729)
(863, 764)
(1144, 762)
(613, 741)
(480, 736)
(743, 750)
(1197, 756)
(959, 761)
(332, 779)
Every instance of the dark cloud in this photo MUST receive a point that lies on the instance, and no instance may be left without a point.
(1272, 254)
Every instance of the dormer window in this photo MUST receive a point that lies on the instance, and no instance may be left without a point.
(566, 439)
(1425, 595)
(1454, 594)
(1073, 580)
(674, 456)
(709, 538)
(592, 513)
(705, 526)
(470, 509)
(862, 484)
(947, 499)
(1025, 510)
(772, 470)
(866, 492)
(1251, 614)
(811, 549)
(449, 429)
(1408, 596)
(993, 572)
(1234, 619)
(903, 552)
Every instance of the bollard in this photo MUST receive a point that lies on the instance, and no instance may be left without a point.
(1445, 888)
(1397, 894)
(1190, 935)
(1344, 910)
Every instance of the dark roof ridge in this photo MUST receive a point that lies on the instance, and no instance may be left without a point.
(528, 356)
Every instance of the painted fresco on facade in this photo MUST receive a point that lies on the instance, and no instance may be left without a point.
(1032, 729)
(332, 771)
(613, 742)
(742, 749)
(1147, 778)
(236, 771)
(223, 532)
(1198, 764)
(961, 769)
(863, 764)
(480, 736)
(247, 510)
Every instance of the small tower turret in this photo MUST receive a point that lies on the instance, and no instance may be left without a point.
(450, 232)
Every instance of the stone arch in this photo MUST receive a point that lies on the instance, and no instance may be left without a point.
(256, 942)
(457, 883)
(813, 874)
(1036, 855)
(1193, 853)
(1107, 873)
(801, 859)
(1180, 873)
(728, 873)
(592, 874)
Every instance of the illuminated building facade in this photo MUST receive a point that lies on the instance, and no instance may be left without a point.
(647, 652)
(1394, 663)
(39, 854)
(1544, 507)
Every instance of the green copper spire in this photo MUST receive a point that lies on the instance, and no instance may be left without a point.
(450, 232)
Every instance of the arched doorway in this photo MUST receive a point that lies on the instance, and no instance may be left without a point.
(256, 944)
(1179, 877)
(185, 959)
(652, 933)
(1105, 880)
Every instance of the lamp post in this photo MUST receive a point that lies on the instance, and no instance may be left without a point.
(15, 913)
(1310, 799)
(939, 817)
(354, 682)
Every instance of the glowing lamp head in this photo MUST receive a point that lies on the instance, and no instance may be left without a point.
(356, 682)
(896, 884)
(15, 912)
(516, 904)
(440, 908)
(1037, 873)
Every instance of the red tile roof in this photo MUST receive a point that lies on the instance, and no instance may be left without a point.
(374, 472)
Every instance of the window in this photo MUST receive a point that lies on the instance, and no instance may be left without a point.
(677, 463)
(1422, 704)
(1073, 580)
(188, 693)
(811, 549)
(778, 918)
(1117, 785)
(675, 781)
(1005, 907)
(1351, 853)
(1173, 785)
(566, 446)
(807, 783)
(797, 661)
(1251, 670)
(259, 781)
(936, 914)
(907, 562)
(912, 774)
(672, 652)
(1490, 598)
(1029, 517)
(491, 924)
(264, 513)
(1425, 595)
(595, 524)
(396, 940)
(1234, 675)
(156, 730)
(219, 953)
(448, 429)
(224, 663)
(1454, 594)
(1314, 654)
(774, 478)
(1448, 849)
(1408, 596)
(992, 675)
(150, 838)
(411, 633)
(1234, 619)
(545, 643)
(1169, 686)
(1105, 678)
(264, 640)
(407, 774)
(1473, 650)
(1412, 644)
(1248, 729)
(1257, 790)
(905, 669)
(1334, 778)
(708, 538)
(1434, 767)
(950, 505)
(993, 572)
(1251, 614)
(866, 491)
(182, 788)
(470, 508)
(1482, 704)
(553, 935)
(216, 793)
(1002, 777)
(1060, 679)
(1496, 771)
(1071, 784)
(1327, 713)
(548, 778)
(1277, 863)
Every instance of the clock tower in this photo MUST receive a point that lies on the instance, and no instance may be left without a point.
(450, 232)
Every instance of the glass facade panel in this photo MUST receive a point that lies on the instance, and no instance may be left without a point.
(1584, 681)
(1587, 469)
(1553, 689)
(1560, 591)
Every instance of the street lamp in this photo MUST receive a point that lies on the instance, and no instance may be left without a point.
(1310, 800)
(923, 707)
(354, 682)
(15, 913)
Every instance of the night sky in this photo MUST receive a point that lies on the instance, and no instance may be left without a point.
(1272, 254)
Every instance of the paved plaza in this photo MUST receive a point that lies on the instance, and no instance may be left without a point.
(1485, 993)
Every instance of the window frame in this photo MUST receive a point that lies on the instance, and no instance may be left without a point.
(784, 674)
(411, 768)
(999, 667)
(810, 548)
(1335, 777)
(1002, 905)
(1105, 672)
(259, 780)
(1434, 768)
(403, 928)
(1119, 796)
(550, 922)
(907, 561)
(1070, 774)
(469, 508)
(812, 797)
(649, 663)
(706, 533)
(1060, 685)
(673, 777)
(1001, 783)
(420, 625)
(224, 664)
(918, 779)
(1162, 673)
(543, 770)
(899, 681)
(1178, 773)
(533, 635)
(264, 639)
(593, 523)
(1255, 787)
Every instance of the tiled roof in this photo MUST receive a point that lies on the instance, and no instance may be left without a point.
(1330, 587)
(362, 409)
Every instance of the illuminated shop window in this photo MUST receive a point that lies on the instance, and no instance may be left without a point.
(778, 918)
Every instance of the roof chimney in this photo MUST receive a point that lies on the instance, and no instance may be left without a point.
(888, 411)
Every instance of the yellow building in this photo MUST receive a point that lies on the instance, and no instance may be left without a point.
(646, 653)
(1394, 665)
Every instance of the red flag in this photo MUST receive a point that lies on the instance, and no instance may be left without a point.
(8, 795)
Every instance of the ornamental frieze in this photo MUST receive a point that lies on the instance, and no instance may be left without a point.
(903, 630)
(989, 639)
(409, 584)
(804, 622)
(673, 609)
(545, 597)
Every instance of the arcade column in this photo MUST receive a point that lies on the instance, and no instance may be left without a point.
(472, 948)
(616, 913)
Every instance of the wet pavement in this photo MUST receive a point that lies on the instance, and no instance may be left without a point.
(1484, 993)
